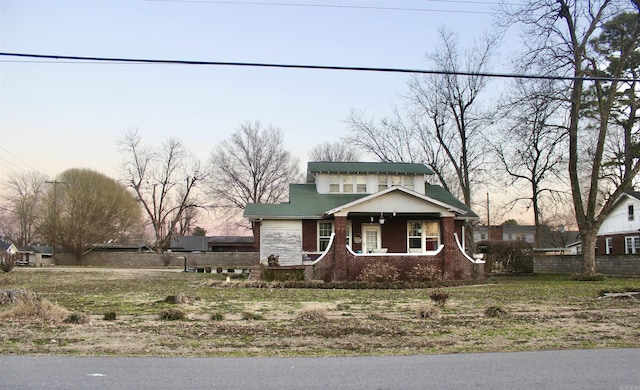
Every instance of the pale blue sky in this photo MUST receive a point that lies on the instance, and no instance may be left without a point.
(55, 116)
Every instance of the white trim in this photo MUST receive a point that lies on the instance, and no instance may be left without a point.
(474, 261)
(427, 253)
(378, 229)
(318, 236)
(329, 245)
(390, 189)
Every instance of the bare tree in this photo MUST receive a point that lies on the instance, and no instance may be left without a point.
(530, 147)
(391, 139)
(558, 35)
(334, 151)
(443, 122)
(23, 196)
(450, 103)
(251, 167)
(90, 208)
(164, 181)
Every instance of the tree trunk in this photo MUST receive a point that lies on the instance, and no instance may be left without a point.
(589, 251)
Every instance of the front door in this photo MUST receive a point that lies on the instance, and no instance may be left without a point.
(371, 238)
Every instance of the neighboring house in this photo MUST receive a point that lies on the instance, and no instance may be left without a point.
(551, 241)
(505, 233)
(34, 254)
(620, 231)
(8, 247)
(350, 214)
(212, 244)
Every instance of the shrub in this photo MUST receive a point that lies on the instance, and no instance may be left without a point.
(7, 262)
(439, 297)
(379, 272)
(173, 314)
(109, 316)
(510, 256)
(428, 312)
(26, 305)
(495, 311)
(425, 273)
(217, 316)
(587, 277)
(77, 318)
(176, 299)
(248, 316)
(312, 314)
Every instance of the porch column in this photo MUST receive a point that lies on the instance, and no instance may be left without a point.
(341, 271)
(450, 251)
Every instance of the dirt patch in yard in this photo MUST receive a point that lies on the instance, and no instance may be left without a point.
(539, 313)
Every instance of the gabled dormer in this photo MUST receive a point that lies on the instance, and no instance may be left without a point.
(366, 177)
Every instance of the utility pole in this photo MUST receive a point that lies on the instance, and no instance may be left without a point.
(55, 215)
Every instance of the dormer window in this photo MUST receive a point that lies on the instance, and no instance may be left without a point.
(334, 184)
(347, 184)
(408, 182)
(361, 184)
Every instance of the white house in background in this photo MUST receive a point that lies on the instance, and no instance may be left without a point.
(8, 247)
(620, 231)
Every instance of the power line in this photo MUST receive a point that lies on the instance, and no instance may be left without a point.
(17, 159)
(312, 67)
(339, 6)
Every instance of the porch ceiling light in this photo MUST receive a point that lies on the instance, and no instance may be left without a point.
(381, 219)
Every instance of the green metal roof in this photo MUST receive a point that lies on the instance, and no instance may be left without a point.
(306, 202)
(369, 167)
(438, 193)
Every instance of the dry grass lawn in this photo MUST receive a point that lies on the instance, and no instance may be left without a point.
(227, 319)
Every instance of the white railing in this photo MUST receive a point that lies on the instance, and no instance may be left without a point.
(471, 259)
(326, 250)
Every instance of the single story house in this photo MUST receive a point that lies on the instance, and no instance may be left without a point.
(619, 233)
(351, 214)
(212, 244)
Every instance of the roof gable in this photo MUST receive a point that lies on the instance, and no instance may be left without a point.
(397, 199)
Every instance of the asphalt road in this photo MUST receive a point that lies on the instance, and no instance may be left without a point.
(617, 369)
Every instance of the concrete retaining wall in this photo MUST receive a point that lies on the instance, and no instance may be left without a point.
(154, 260)
(621, 265)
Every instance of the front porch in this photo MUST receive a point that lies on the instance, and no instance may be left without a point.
(440, 249)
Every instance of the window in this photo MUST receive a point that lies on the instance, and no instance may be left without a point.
(632, 245)
(334, 184)
(347, 184)
(521, 237)
(631, 217)
(608, 245)
(382, 182)
(431, 235)
(408, 182)
(361, 183)
(483, 236)
(395, 180)
(324, 234)
(423, 236)
(348, 231)
(414, 231)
